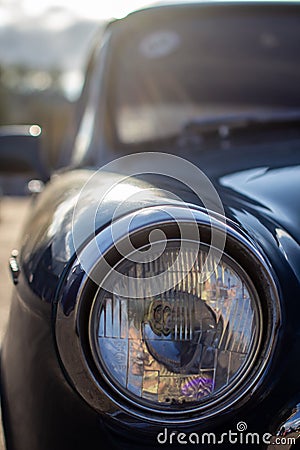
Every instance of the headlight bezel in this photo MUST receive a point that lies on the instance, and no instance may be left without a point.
(72, 327)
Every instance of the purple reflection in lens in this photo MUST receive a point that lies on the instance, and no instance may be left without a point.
(197, 387)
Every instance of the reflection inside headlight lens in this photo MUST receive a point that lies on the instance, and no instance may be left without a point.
(184, 346)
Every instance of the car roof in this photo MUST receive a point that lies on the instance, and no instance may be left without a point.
(166, 4)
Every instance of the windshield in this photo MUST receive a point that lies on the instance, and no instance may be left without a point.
(174, 68)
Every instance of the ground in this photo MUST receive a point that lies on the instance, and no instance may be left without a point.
(12, 215)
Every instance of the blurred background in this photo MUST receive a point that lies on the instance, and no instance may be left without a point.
(44, 46)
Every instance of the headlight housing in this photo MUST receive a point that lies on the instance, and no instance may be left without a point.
(183, 354)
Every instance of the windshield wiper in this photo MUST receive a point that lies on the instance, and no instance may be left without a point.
(224, 124)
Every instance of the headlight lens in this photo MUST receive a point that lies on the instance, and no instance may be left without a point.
(185, 347)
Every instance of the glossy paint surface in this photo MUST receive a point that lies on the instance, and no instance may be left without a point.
(267, 194)
(252, 199)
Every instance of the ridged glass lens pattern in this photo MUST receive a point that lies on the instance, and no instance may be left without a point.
(183, 346)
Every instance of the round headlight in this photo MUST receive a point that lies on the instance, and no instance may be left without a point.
(181, 349)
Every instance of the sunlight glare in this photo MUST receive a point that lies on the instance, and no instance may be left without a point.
(85, 9)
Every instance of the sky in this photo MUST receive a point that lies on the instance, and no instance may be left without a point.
(91, 9)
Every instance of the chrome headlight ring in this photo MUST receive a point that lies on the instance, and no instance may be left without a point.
(79, 310)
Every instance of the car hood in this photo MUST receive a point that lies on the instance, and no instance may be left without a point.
(264, 202)
(272, 193)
